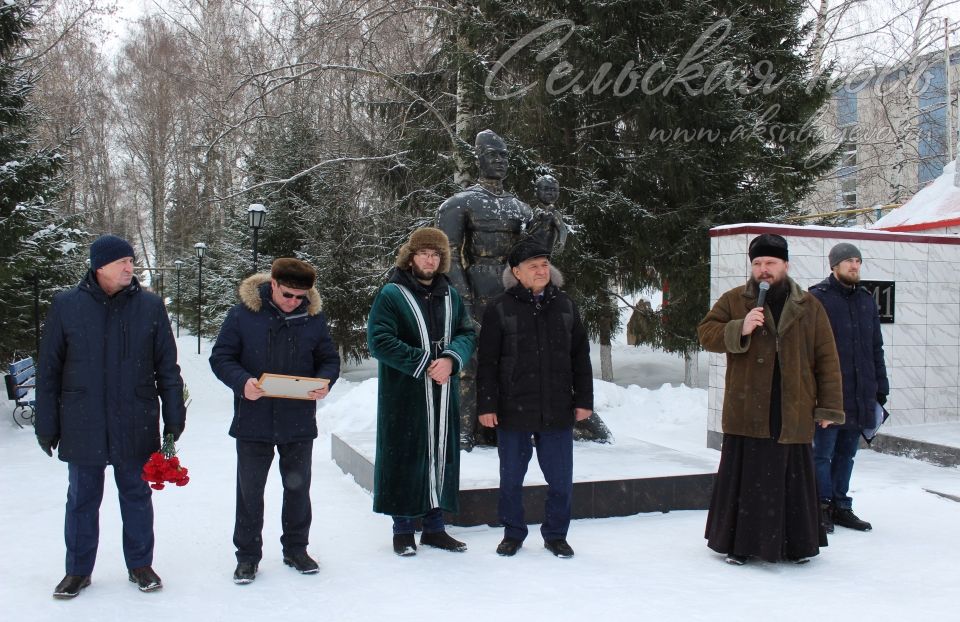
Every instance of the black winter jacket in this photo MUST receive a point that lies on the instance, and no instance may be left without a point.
(104, 362)
(856, 328)
(533, 359)
(256, 337)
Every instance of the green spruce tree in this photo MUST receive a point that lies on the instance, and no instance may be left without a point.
(342, 240)
(39, 249)
(646, 169)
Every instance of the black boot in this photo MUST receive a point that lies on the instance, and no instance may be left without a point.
(404, 544)
(442, 540)
(245, 573)
(70, 586)
(145, 578)
(302, 562)
(508, 547)
(846, 518)
(559, 547)
(826, 516)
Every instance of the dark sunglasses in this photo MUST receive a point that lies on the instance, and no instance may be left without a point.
(297, 296)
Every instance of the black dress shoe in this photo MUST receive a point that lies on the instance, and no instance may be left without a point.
(245, 573)
(508, 547)
(404, 544)
(442, 540)
(559, 547)
(145, 578)
(302, 562)
(846, 518)
(71, 586)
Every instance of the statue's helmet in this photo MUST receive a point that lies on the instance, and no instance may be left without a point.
(488, 138)
(492, 154)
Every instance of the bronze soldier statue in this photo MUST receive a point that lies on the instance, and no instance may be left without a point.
(483, 222)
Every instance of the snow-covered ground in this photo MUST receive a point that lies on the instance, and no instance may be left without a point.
(650, 566)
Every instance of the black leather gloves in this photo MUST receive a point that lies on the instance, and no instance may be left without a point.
(176, 430)
(48, 444)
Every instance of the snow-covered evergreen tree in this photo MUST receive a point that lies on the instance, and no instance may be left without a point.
(38, 247)
(342, 241)
(734, 150)
(320, 214)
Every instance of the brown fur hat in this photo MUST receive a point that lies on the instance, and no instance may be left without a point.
(425, 237)
(293, 273)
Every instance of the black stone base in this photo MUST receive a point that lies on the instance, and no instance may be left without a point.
(598, 499)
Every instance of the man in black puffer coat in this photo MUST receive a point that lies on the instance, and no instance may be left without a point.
(534, 381)
(277, 328)
(856, 328)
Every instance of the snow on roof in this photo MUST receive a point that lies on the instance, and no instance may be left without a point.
(936, 206)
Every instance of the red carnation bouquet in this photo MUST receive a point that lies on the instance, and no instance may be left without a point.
(164, 467)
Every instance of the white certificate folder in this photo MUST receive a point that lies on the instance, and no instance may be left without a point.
(290, 387)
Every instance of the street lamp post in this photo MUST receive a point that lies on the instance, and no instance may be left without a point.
(256, 214)
(178, 264)
(201, 248)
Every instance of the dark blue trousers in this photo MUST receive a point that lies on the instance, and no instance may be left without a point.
(833, 452)
(81, 530)
(431, 522)
(253, 466)
(555, 455)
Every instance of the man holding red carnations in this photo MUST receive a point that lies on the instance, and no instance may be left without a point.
(107, 361)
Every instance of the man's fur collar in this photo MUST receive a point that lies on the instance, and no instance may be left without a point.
(509, 280)
(250, 294)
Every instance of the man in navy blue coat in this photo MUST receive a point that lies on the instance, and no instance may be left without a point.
(856, 327)
(106, 357)
(277, 328)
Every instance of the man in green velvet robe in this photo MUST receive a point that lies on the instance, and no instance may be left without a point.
(421, 335)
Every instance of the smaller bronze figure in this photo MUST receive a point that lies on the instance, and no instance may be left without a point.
(547, 226)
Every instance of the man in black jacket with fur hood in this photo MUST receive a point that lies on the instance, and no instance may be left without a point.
(277, 328)
(534, 381)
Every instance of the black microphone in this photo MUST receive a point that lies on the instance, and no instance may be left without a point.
(762, 297)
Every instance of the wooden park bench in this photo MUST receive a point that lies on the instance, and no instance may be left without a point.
(20, 382)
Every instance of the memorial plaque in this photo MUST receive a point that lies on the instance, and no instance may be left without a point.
(884, 295)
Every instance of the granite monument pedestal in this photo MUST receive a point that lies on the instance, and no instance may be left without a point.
(619, 479)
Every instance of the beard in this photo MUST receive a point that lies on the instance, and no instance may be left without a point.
(420, 275)
(849, 281)
(774, 281)
(778, 288)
